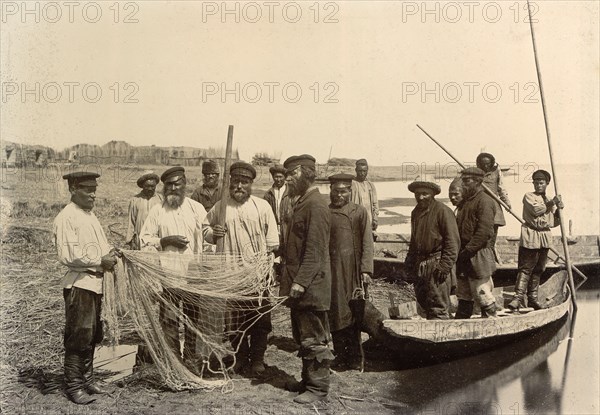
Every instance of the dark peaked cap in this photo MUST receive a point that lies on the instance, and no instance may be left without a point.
(173, 171)
(542, 174)
(147, 176)
(341, 178)
(241, 168)
(428, 185)
(472, 172)
(82, 178)
(301, 160)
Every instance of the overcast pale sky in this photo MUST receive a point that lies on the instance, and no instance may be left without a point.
(463, 70)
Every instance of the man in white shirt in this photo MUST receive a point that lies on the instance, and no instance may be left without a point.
(365, 194)
(83, 248)
(175, 227)
(250, 228)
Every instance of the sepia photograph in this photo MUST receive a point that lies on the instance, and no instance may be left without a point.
(300, 207)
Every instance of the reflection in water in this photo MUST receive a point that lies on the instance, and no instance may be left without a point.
(536, 375)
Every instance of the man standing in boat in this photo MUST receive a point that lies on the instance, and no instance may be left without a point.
(433, 249)
(364, 193)
(476, 262)
(536, 236)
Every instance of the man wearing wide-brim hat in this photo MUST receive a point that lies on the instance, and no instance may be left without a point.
(476, 260)
(433, 249)
(539, 216)
(139, 207)
(83, 248)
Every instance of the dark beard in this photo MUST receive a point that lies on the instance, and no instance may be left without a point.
(299, 187)
(243, 199)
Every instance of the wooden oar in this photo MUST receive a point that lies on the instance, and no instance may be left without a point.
(505, 206)
(225, 187)
(556, 192)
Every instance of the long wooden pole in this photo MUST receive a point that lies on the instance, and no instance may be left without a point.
(225, 186)
(504, 205)
(556, 192)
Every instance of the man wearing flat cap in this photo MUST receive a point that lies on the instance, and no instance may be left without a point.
(175, 226)
(249, 228)
(364, 193)
(539, 216)
(351, 255)
(140, 206)
(306, 278)
(476, 261)
(210, 192)
(82, 247)
(277, 195)
(433, 249)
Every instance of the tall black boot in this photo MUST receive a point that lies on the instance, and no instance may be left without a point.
(317, 382)
(74, 379)
(293, 385)
(464, 310)
(242, 352)
(258, 347)
(532, 292)
(520, 289)
(91, 386)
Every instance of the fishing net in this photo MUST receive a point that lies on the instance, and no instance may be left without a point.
(190, 310)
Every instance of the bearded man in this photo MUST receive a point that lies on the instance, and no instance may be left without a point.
(249, 228)
(364, 193)
(209, 193)
(476, 261)
(175, 226)
(351, 255)
(140, 206)
(306, 279)
(433, 249)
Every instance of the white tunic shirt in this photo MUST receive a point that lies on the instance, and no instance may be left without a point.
(80, 243)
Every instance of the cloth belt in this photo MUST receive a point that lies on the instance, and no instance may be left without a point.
(535, 228)
(98, 274)
(427, 263)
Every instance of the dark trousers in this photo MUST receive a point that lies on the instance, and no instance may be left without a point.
(83, 330)
(346, 343)
(311, 331)
(434, 297)
(532, 261)
(249, 323)
(83, 327)
(170, 322)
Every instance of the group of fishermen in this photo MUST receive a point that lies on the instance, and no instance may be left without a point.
(324, 251)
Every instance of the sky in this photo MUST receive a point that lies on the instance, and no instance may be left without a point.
(350, 78)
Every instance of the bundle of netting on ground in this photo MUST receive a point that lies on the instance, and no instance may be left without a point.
(190, 309)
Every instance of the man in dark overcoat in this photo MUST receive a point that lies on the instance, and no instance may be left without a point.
(306, 278)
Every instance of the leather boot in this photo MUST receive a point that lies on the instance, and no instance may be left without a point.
(317, 382)
(520, 288)
(242, 354)
(489, 311)
(294, 385)
(258, 347)
(91, 386)
(74, 379)
(464, 310)
(532, 292)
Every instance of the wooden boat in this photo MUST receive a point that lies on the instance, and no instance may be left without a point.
(448, 339)
(391, 250)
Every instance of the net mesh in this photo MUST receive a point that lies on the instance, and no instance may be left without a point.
(190, 309)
